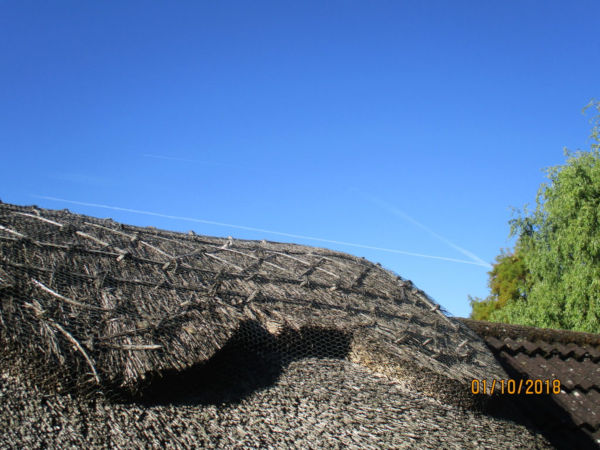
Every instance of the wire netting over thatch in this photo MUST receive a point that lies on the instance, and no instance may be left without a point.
(91, 305)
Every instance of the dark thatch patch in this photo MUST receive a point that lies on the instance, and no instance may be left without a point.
(93, 306)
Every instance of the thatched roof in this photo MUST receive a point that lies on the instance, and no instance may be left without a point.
(314, 403)
(106, 305)
(115, 334)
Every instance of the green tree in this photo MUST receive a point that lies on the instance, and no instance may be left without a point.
(508, 281)
(559, 246)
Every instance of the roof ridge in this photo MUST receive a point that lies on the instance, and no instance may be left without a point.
(538, 350)
(581, 389)
(532, 334)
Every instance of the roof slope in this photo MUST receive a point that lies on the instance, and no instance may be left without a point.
(107, 305)
(314, 403)
(115, 335)
(571, 357)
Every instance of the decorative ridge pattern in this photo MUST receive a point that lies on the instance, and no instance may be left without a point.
(108, 306)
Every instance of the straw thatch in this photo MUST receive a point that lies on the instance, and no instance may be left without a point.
(93, 306)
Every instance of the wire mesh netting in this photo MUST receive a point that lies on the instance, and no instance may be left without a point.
(94, 307)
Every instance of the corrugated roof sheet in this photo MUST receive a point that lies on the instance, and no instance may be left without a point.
(571, 357)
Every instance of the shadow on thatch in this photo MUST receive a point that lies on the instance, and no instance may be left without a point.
(253, 359)
(89, 306)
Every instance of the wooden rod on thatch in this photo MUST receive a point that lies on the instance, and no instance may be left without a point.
(306, 263)
(224, 261)
(254, 257)
(79, 347)
(92, 238)
(65, 299)
(79, 233)
(158, 250)
(229, 242)
(385, 331)
(435, 308)
(43, 219)
(186, 255)
(16, 233)
(134, 346)
(125, 333)
(109, 229)
(39, 312)
(133, 237)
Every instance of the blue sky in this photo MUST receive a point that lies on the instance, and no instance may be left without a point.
(408, 128)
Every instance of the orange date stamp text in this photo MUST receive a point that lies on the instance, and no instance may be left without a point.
(515, 387)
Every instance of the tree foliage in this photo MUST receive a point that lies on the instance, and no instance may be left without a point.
(553, 278)
(508, 281)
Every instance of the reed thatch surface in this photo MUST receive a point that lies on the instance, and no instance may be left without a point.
(93, 306)
(315, 403)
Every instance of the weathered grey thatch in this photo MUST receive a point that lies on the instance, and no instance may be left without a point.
(314, 404)
(110, 304)
(93, 310)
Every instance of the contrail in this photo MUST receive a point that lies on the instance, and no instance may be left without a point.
(260, 230)
(392, 209)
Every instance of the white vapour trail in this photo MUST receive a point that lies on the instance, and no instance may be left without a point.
(260, 230)
(392, 209)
